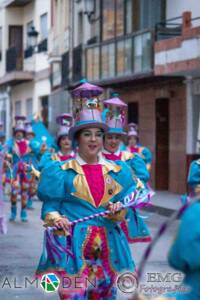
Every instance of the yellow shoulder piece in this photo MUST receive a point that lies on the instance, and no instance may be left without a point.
(74, 165)
(55, 157)
(127, 155)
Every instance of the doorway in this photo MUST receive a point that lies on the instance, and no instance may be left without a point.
(16, 45)
(162, 144)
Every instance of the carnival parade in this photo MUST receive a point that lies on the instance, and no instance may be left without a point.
(99, 150)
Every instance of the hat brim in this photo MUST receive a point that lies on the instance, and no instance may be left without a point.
(116, 131)
(73, 130)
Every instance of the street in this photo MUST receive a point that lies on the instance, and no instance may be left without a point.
(22, 246)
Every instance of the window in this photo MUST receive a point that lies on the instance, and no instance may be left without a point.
(1, 46)
(56, 74)
(18, 108)
(28, 28)
(43, 27)
(119, 17)
(108, 19)
(151, 12)
(29, 108)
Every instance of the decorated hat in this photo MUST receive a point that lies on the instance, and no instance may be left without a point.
(20, 123)
(29, 128)
(64, 121)
(87, 108)
(132, 129)
(2, 133)
(115, 114)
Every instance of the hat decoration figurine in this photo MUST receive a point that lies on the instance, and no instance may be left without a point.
(115, 114)
(88, 108)
(20, 123)
(132, 129)
(65, 121)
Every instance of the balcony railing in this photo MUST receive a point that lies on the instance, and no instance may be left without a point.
(14, 60)
(126, 56)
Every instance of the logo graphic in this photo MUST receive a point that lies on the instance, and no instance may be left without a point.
(127, 282)
(50, 283)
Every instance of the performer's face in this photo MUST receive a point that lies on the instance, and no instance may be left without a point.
(90, 141)
(132, 141)
(112, 142)
(19, 135)
(65, 143)
(29, 136)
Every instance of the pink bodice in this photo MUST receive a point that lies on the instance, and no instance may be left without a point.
(134, 149)
(112, 156)
(22, 146)
(95, 180)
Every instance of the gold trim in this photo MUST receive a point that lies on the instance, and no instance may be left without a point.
(51, 218)
(55, 157)
(73, 164)
(197, 189)
(127, 155)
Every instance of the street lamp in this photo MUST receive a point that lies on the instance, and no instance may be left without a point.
(33, 35)
(90, 10)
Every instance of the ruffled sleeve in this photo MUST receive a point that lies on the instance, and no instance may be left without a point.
(51, 189)
(139, 168)
(147, 156)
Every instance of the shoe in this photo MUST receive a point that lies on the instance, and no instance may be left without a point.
(24, 217)
(13, 213)
(29, 204)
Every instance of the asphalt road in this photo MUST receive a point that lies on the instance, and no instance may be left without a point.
(22, 246)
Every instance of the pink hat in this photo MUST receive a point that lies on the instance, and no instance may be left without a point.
(87, 109)
(115, 112)
(20, 123)
(65, 121)
(132, 129)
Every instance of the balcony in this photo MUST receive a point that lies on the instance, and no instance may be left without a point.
(120, 59)
(15, 3)
(15, 73)
(179, 55)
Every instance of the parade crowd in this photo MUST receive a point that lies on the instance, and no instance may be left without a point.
(93, 179)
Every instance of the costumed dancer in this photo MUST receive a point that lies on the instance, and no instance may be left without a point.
(115, 115)
(184, 252)
(34, 156)
(63, 142)
(135, 147)
(19, 150)
(85, 185)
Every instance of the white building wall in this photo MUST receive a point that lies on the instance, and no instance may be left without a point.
(175, 8)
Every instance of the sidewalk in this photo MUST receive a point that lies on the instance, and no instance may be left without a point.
(164, 203)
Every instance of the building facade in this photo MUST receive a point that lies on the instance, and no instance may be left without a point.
(24, 69)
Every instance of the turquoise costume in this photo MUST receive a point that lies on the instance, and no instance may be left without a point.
(64, 190)
(184, 253)
(136, 230)
(194, 176)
